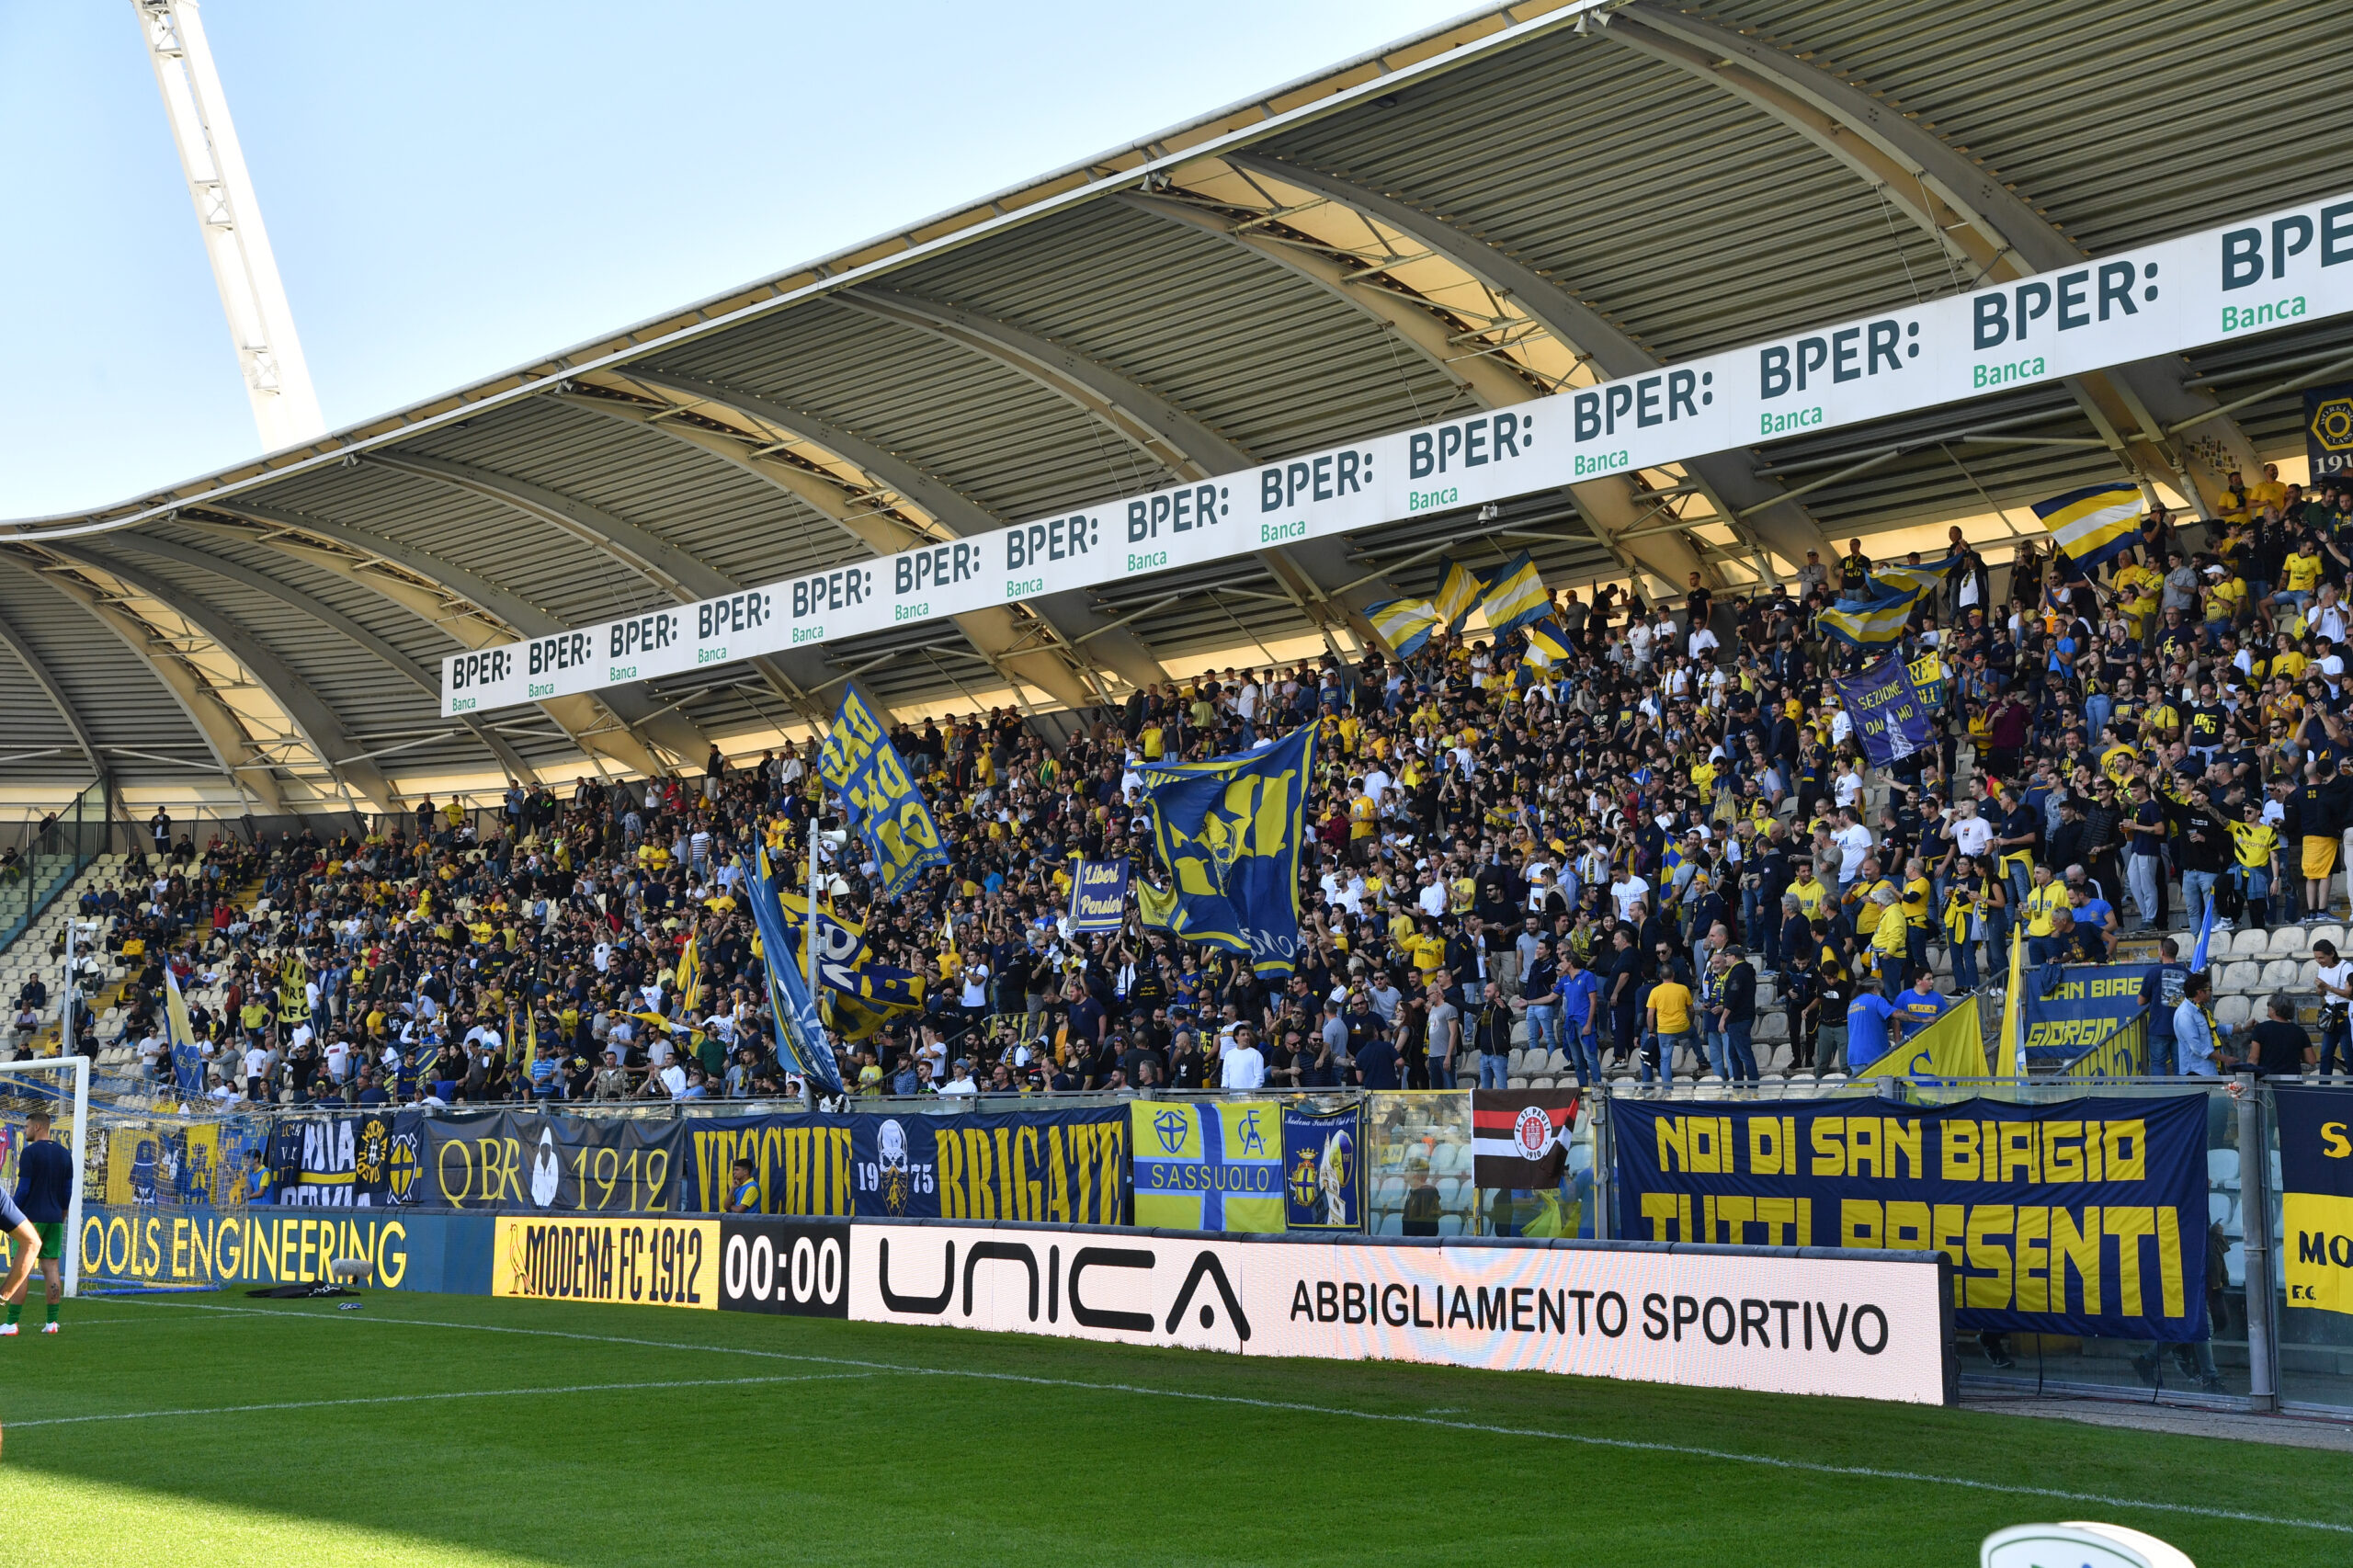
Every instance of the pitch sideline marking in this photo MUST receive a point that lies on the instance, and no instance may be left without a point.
(1810, 1466)
(419, 1398)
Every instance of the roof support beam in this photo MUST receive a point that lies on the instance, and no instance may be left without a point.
(50, 689)
(1155, 426)
(1068, 614)
(673, 571)
(1612, 508)
(319, 729)
(1728, 479)
(328, 616)
(1964, 206)
(577, 716)
(995, 633)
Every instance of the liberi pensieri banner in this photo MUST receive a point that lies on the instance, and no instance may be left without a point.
(2277, 270)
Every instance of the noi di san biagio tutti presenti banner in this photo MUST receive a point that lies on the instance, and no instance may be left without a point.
(2086, 1217)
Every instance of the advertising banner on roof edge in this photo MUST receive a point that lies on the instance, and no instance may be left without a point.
(2286, 267)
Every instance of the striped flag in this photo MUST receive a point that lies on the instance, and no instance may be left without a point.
(1457, 595)
(1519, 1137)
(2093, 525)
(1913, 580)
(1515, 596)
(1547, 643)
(1875, 623)
(1405, 624)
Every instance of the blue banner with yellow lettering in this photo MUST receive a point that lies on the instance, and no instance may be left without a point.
(1228, 830)
(1069, 1166)
(2316, 1196)
(2090, 1003)
(1099, 895)
(2084, 1217)
(1891, 719)
(1322, 1169)
(880, 794)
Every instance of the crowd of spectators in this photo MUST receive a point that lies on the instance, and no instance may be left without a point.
(1620, 850)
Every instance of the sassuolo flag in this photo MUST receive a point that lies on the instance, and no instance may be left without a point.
(1228, 830)
(1216, 1166)
(2094, 525)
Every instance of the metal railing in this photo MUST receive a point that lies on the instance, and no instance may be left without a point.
(51, 859)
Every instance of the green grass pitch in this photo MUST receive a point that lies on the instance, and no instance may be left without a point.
(440, 1429)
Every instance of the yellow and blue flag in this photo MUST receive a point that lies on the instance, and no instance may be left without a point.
(1515, 596)
(800, 1033)
(1547, 643)
(1953, 1045)
(1228, 830)
(1872, 623)
(689, 979)
(880, 795)
(1912, 581)
(858, 995)
(179, 1034)
(1217, 1166)
(1405, 624)
(1457, 595)
(2094, 525)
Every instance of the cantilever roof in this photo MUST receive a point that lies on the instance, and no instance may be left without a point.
(273, 618)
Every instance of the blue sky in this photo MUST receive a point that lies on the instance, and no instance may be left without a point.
(453, 189)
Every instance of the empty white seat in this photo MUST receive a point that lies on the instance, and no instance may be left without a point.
(2245, 944)
(2241, 977)
(1449, 1225)
(2308, 974)
(2218, 1208)
(1390, 1193)
(2281, 974)
(1557, 1062)
(2333, 934)
(2231, 1011)
(1771, 1026)
(1392, 1223)
(1516, 1084)
(1539, 1083)
(2223, 1166)
(2291, 941)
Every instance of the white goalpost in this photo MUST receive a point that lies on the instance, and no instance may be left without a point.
(68, 1104)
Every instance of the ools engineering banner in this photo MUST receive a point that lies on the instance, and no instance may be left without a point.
(2082, 1217)
(2316, 1196)
(1213, 1167)
(1892, 720)
(521, 1160)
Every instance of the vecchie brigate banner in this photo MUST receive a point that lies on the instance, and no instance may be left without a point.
(2086, 1217)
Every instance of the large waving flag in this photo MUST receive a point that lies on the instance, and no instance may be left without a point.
(800, 1033)
(1547, 643)
(188, 1057)
(1912, 581)
(1405, 624)
(1873, 623)
(1515, 596)
(880, 795)
(1951, 1047)
(858, 995)
(2205, 934)
(1228, 830)
(2093, 525)
(1457, 595)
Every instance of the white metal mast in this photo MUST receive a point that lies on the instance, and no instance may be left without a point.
(229, 216)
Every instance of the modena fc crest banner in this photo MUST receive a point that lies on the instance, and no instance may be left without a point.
(2316, 1196)
(2084, 1217)
(2288, 267)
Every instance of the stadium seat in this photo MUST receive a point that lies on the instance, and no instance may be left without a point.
(1449, 1225)
(2281, 974)
(2223, 1167)
(1516, 1082)
(2333, 934)
(1390, 1223)
(2291, 940)
(2234, 1264)
(1557, 1062)
(1539, 1083)
(2231, 1011)
(1518, 1032)
(1391, 1194)
(1448, 1190)
(2308, 974)
(2246, 944)
(2239, 977)
(1774, 1027)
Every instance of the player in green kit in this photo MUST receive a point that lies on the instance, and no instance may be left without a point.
(44, 1188)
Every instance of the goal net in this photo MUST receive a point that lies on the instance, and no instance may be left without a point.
(59, 1087)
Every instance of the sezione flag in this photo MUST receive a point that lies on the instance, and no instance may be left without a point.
(1405, 624)
(880, 795)
(1228, 830)
(1515, 597)
(1457, 595)
(2093, 525)
(1519, 1137)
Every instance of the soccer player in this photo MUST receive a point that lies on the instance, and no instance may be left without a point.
(44, 1187)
